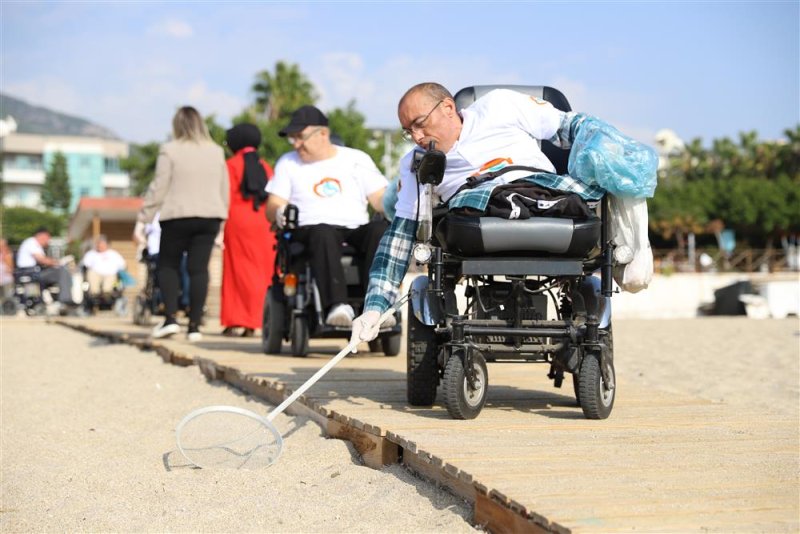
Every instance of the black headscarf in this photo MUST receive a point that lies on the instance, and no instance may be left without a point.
(254, 178)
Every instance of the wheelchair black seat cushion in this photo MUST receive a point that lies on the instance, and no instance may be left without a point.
(476, 236)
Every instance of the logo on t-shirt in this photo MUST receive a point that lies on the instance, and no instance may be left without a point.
(327, 187)
(494, 165)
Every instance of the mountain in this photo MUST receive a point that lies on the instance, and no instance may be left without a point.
(42, 121)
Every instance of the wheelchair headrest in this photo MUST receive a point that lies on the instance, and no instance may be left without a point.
(468, 95)
(557, 156)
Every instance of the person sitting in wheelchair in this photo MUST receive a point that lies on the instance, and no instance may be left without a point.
(32, 261)
(492, 142)
(102, 267)
(331, 187)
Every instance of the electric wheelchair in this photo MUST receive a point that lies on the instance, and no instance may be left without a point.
(529, 295)
(292, 306)
(115, 300)
(30, 293)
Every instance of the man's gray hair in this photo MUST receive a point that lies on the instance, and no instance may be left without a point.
(434, 90)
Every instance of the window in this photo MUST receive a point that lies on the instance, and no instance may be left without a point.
(112, 166)
(27, 162)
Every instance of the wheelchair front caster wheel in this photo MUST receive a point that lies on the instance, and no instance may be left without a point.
(465, 400)
(595, 393)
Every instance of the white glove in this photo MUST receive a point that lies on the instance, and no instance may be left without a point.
(365, 328)
(280, 217)
(219, 241)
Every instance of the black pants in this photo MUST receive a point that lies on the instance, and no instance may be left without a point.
(195, 236)
(323, 243)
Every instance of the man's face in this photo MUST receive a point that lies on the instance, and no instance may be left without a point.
(424, 120)
(311, 143)
(43, 238)
(101, 246)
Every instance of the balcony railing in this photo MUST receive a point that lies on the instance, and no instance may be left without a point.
(746, 260)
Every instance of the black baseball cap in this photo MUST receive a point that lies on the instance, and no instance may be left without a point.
(302, 117)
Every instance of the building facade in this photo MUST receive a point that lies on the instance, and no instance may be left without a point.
(93, 166)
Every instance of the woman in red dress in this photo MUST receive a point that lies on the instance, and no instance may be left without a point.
(249, 254)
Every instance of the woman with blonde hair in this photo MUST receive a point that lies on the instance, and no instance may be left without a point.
(190, 192)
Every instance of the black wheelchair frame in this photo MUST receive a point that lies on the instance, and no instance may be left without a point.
(292, 308)
(506, 316)
(29, 293)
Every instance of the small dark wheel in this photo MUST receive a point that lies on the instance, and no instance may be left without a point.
(596, 394)
(390, 343)
(422, 370)
(300, 337)
(375, 345)
(462, 400)
(273, 320)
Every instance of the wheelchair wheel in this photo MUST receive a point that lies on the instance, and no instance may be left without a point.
(462, 400)
(299, 337)
(273, 320)
(595, 394)
(121, 306)
(390, 343)
(141, 311)
(422, 371)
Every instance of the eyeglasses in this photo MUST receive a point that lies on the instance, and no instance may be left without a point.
(418, 124)
(302, 138)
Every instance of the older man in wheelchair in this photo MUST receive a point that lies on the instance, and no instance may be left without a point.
(104, 278)
(318, 200)
(511, 242)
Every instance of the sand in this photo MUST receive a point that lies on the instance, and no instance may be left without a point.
(88, 434)
(88, 445)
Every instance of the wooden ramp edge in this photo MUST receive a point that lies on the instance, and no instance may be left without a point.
(492, 510)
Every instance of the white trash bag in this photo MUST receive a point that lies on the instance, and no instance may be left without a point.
(633, 256)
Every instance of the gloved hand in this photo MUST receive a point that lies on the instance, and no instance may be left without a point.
(280, 217)
(219, 241)
(365, 328)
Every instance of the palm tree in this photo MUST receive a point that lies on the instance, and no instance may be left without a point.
(278, 94)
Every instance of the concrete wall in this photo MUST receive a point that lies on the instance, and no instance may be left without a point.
(680, 295)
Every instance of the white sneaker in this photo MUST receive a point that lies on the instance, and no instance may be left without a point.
(163, 330)
(341, 315)
(194, 336)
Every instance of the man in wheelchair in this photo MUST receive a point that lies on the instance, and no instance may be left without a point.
(103, 270)
(511, 268)
(331, 187)
(38, 276)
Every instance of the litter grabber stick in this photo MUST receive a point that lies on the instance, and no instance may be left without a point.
(327, 367)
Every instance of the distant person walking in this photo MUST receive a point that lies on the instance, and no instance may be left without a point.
(190, 193)
(249, 254)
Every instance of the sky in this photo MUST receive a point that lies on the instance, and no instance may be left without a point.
(703, 69)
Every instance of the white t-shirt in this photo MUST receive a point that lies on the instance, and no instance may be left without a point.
(499, 129)
(332, 191)
(26, 251)
(106, 263)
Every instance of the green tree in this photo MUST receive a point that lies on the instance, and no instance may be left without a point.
(19, 223)
(56, 194)
(279, 93)
(752, 187)
(141, 166)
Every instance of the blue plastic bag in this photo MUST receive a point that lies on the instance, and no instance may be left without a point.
(603, 156)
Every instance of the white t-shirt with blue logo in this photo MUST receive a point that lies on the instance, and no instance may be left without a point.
(332, 191)
(499, 129)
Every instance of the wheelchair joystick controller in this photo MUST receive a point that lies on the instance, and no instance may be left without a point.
(430, 172)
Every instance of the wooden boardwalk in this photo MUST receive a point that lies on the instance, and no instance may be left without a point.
(530, 462)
